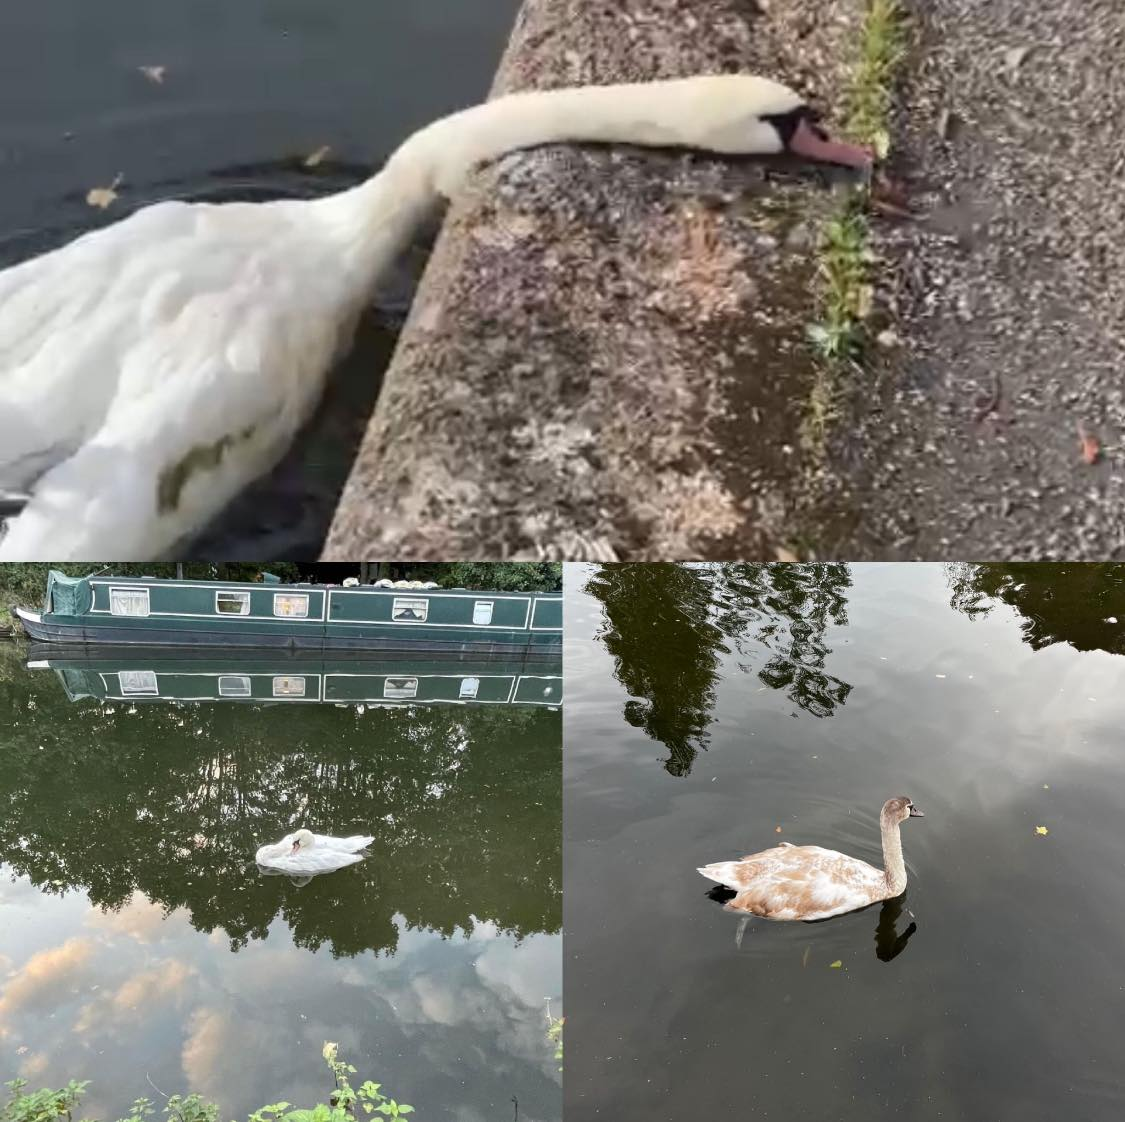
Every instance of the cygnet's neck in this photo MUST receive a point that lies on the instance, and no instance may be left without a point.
(893, 863)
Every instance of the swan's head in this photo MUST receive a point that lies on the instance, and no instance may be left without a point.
(302, 839)
(741, 113)
(899, 809)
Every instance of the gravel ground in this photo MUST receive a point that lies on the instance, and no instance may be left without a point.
(1009, 294)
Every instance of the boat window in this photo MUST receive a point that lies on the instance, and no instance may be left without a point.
(289, 685)
(294, 605)
(232, 603)
(234, 685)
(482, 611)
(399, 689)
(469, 687)
(405, 610)
(137, 681)
(128, 601)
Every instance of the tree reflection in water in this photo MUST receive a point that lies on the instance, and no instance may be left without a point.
(173, 801)
(668, 627)
(1081, 604)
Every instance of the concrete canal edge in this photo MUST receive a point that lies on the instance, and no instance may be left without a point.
(607, 355)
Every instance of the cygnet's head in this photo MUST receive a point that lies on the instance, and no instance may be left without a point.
(899, 809)
(302, 839)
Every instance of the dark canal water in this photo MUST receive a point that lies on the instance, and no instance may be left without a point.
(709, 706)
(248, 91)
(141, 949)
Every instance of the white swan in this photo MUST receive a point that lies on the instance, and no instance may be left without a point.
(807, 882)
(151, 369)
(304, 853)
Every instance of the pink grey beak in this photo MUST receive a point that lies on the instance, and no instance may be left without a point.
(807, 141)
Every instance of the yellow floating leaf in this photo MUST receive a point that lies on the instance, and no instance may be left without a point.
(835, 965)
(1041, 829)
(101, 197)
(153, 73)
(315, 159)
(881, 142)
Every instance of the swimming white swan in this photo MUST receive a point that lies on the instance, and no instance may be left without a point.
(151, 369)
(807, 882)
(304, 853)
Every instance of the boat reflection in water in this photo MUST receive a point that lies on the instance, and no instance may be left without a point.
(139, 674)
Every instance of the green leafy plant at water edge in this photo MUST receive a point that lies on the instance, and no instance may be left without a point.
(555, 1036)
(41, 1106)
(48, 1106)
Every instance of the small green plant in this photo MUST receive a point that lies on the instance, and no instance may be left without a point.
(846, 258)
(48, 1106)
(43, 1105)
(555, 1036)
(882, 46)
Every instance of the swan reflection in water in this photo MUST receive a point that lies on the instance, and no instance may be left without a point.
(889, 943)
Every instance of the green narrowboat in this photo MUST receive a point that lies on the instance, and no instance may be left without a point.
(154, 611)
(155, 674)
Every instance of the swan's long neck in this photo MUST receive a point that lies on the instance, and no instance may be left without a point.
(378, 217)
(892, 859)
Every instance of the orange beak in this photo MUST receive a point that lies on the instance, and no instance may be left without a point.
(810, 142)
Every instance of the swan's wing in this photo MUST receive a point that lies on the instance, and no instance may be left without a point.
(204, 406)
(343, 845)
(311, 862)
(65, 318)
(169, 372)
(798, 882)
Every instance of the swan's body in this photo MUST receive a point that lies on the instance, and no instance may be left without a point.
(304, 853)
(808, 882)
(152, 369)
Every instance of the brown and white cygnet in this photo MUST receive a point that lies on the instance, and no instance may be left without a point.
(808, 882)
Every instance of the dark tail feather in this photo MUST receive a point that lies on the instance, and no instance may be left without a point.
(12, 502)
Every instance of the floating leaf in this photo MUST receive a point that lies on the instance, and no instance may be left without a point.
(881, 142)
(777, 829)
(835, 965)
(805, 956)
(1041, 829)
(153, 73)
(315, 159)
(101, 197)
(1091, 449)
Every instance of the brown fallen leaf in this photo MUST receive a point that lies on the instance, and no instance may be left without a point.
(1091, 449)
(315, 159)
(153, 73)
(101, 197)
